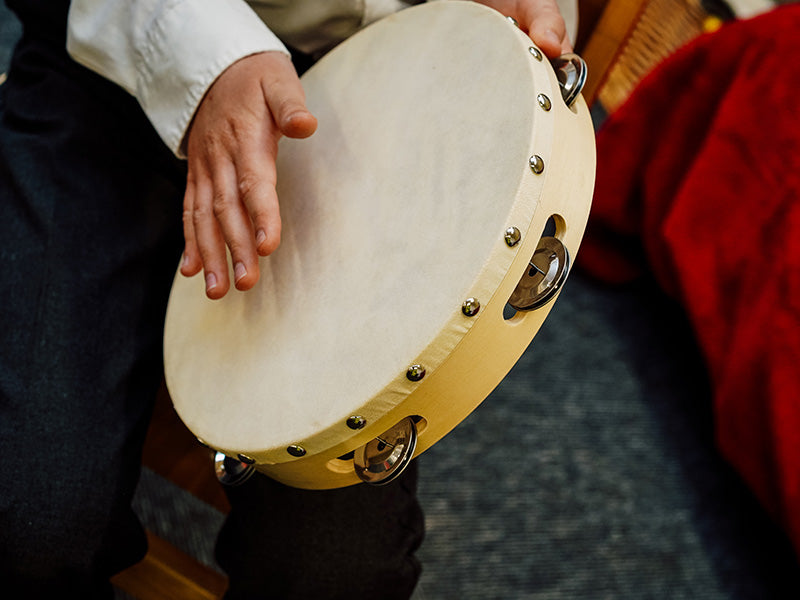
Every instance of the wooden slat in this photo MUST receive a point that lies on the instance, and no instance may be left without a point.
(589, 13)
(662, 27)
(606, 41)
(166, 573)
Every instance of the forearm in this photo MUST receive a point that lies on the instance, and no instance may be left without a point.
(166, 53)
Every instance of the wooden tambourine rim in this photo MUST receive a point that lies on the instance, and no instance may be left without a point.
(472, 354)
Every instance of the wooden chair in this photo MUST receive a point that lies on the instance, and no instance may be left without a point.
(630, 37)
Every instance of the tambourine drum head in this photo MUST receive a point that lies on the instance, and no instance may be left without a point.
(393, 213)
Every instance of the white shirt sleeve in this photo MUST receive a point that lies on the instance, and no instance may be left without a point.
(316, 26)
(166, 53)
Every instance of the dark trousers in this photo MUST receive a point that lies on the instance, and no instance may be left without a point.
(90, 238)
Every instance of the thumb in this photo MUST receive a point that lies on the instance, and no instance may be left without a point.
(547, 28)
(297, 123)
(286, 100)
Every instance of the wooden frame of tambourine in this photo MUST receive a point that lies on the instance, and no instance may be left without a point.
(556, 187)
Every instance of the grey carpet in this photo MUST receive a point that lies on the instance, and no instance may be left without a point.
(9, 33)
(589, 473)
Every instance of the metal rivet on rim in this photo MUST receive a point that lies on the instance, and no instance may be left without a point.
(296, 450)
(246, 459)
(543, 101)
(415, 372)
(537, 54)
(470, 307)
(536, 163)
(512, 236)
(356, 422)
(513, 21)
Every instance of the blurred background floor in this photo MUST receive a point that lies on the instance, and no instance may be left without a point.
(589, 473)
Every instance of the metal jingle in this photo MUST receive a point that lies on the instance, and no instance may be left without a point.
(384, 458)
(548, 271)
(231, 471)
(571, 74)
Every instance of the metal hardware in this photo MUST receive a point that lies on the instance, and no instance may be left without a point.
(571, 74)
(536, 163)
(537, 54)
(415, 372)
(296, 450)
(548, 271)
(356, 422)
(231, 471)
(381, 460)
(512, 236)
(246, 459)
(544, 101)
(513, 21)
(470, 307)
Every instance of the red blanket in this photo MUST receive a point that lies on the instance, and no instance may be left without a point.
(698, 182)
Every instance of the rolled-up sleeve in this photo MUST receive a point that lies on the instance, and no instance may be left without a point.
(166, 53)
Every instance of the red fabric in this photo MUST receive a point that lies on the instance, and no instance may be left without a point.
(698, 182)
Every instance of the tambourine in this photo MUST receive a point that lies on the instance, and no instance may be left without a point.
(428, 225)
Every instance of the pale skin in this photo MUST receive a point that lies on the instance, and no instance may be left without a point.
(232, 144)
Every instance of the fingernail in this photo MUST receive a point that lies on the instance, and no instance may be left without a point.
(185, 259)
(239, 271)
(552, 36)
(261, 237)
(211, 281)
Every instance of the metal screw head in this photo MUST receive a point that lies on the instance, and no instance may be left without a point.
(537, 54)
(296, 450)
(246, 459)
(513, 21)
(512, 236)
(536, 163)
(415, 372)
(356, 422)
(470, 307)
(544, 101)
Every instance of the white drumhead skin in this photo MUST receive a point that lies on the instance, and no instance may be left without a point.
(393, 213)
